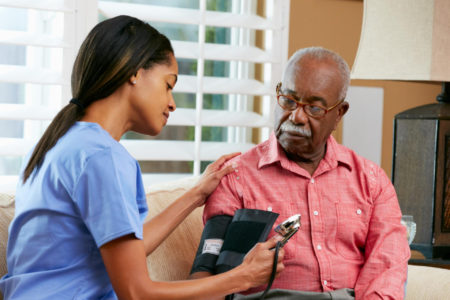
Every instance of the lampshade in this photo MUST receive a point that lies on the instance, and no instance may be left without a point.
(404, 40)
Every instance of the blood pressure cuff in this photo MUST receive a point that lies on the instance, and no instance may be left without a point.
(226, 240)
(210, 244)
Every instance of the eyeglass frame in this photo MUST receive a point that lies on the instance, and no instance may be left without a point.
(302, 104)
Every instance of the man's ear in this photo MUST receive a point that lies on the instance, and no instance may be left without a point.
(342, 109)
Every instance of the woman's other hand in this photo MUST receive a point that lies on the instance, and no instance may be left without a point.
(212, 176)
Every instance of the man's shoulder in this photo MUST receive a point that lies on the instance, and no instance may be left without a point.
(354, 160)
(257, 150)
(252, 155)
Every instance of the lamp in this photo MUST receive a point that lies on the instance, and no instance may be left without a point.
(410, 40)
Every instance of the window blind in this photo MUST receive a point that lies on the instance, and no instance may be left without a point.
(38, 43)
(248, 92)
(230, 55)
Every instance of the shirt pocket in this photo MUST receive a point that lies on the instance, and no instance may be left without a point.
(352, 228)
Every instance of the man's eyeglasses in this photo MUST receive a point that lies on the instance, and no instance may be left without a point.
(290, 103)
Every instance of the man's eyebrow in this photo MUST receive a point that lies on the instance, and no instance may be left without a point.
(317, 98)
(309, 99)
(291, 92)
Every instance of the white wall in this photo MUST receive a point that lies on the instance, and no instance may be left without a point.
(363, 123)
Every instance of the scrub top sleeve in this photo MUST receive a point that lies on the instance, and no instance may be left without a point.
(107, 196)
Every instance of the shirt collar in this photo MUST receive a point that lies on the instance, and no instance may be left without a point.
(335, 154)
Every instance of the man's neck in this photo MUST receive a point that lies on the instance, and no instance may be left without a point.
(308, 164)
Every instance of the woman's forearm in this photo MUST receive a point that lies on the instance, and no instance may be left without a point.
(124, 259)
(214, 287)
(160, 226)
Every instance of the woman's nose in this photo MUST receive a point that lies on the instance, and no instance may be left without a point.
(172, 104)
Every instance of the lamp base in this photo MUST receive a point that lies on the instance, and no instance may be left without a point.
(444, 96)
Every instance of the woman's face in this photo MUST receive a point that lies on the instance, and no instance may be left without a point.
(151, 97)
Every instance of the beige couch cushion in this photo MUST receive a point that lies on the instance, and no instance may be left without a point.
(172, 260)
(427, 283)
(6, 215)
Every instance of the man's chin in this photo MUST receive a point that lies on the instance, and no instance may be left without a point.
(293, 145)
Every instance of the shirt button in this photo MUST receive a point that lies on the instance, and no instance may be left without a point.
(325, 282)
(312, 180)
(358, 211)
(269, 208)
(316, 213)
(237, 177)
(319, 247)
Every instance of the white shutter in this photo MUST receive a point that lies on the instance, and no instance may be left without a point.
(55, 29)
(41, 39)
(240, 52)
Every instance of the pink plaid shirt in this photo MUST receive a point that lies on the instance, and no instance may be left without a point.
(350, 235)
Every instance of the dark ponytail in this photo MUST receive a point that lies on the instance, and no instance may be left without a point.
(113, 51)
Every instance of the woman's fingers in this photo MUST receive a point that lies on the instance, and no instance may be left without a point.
(223, 159)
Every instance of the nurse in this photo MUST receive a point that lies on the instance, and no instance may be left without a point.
(79, 231)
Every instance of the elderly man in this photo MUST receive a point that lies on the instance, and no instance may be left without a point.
(350, 236)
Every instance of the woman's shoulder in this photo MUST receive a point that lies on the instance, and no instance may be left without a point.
(87, 142)
(87, 139)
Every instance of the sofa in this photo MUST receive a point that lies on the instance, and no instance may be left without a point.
(173, 259)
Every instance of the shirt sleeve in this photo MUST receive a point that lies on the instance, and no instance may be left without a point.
(384, 273)
(109, 198)
(227, 197)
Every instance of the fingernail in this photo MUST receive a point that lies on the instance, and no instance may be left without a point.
(278, 237)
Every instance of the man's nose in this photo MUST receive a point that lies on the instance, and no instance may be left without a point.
(298, 116)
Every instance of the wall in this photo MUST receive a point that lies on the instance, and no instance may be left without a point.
(336, 25)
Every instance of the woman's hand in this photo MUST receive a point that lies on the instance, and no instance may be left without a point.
(258, 262)
(212, 176)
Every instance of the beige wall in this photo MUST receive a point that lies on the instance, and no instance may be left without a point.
(336, 25)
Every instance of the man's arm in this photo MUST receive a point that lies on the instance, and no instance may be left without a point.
(383, 275)
(219, 209)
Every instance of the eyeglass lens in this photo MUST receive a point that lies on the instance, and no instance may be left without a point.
(290, 104)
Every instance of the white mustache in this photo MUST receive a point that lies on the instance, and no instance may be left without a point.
(291, 127)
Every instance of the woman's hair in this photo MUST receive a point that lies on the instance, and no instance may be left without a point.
(113, 51)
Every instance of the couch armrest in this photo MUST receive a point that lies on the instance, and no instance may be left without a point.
(427, 283)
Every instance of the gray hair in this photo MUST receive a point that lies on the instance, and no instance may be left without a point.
(321, 54)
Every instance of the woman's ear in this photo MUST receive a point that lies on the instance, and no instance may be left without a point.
(133, 79)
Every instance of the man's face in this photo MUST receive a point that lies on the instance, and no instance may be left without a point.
(302, 136)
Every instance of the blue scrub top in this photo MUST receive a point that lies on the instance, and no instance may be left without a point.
(87, 192)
